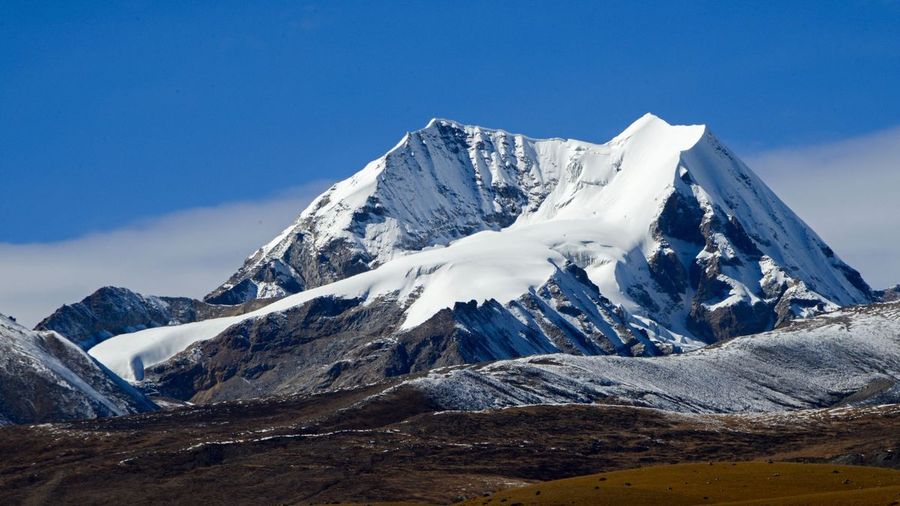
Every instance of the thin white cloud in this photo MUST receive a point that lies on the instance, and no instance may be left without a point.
(187, 253)
(849, 192)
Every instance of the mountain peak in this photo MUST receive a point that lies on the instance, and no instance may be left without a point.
(654, 126)
(649, 125)
(436, 124)
(664, 219)
(433, 122)
(649, 117)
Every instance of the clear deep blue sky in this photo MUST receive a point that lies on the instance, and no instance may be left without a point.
(120, 111)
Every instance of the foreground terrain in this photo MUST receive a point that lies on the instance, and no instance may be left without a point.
(731, 483)
(393, 447)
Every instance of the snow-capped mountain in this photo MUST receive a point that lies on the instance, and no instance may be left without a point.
(671, 224)
(44, 377)
(659, 240)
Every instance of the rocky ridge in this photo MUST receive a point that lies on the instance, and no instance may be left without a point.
(44, 377)
(111, 311)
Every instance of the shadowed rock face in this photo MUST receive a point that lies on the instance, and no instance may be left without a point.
(329, 343)
(302, 266)
(275, 353)
(703, 249)
(45, 378)
(111, 311)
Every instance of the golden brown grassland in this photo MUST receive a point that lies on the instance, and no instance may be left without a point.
(714, 483)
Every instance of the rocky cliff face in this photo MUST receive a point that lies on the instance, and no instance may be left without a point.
(45, 378)
(112, 311)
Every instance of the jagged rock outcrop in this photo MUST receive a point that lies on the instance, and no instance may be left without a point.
(113, 310)
(46, 378)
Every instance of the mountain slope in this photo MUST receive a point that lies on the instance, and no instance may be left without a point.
(327, 343)
(849, 357)
(678, 242)
(44, 377)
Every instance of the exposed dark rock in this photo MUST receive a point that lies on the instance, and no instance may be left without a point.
(727, 250)
(244, 290)
(668, 272)
(708, 288)
(681, 218)
(640, 295)
(853, 277)
(731, 320)
(735, 233)
(277, 353)
(788, 308)
(111, 310)
(302, 266)
(725, 320)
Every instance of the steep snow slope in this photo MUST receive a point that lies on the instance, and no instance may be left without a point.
(685, 244)
(850, 356)
(44, 377)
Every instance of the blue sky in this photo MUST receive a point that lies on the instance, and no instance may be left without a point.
(156, 144)
(112, 112)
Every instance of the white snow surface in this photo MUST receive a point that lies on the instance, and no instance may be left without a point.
(813, 363)
(594, 205)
